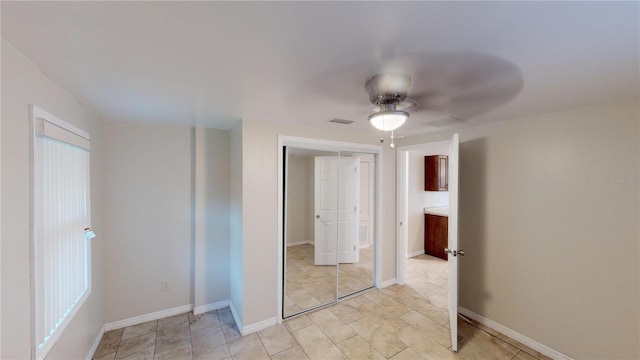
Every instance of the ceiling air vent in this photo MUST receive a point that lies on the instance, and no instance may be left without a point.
(450, 121)
(341, 121)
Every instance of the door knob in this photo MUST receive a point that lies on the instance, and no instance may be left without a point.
(317, 216)
(454, 252)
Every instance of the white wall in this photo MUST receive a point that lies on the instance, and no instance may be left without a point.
(24, 84)
(211, 200)
(549, 223)
(419, 199)
(260, 223)
(167, 218)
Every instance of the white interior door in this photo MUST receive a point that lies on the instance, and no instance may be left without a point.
(326, 210)
(336, 216)
(453, 251)
(348, 198)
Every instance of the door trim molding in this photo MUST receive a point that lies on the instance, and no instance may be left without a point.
(330, 145)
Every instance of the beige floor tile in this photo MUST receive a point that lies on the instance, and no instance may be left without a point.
(203, 321)
(364, 327)
(135, 344)
(292, 309)
(231, 332)
(484, 328)
(357, 348)
(295, 353)
(303, 298)
(335, 329)
(145, 354)
(316, 344)
(203, 340)
(392, 306)
(297, 323)
(249, 347)
(388, 344)
(140, 329)
(111, 356)
(346, 313)
(109, 343)
(399, 291)
(357, 301)
(524, 356)
(218, 353)
(439, 300)
(421, 305)
(178, 352)
(407, 354)
(429, 327)
(174, 323)
(276, 339)
(169, 338)
(226, 316)
(477, 344)
(424, 346)
(379, 314)
(522, 347)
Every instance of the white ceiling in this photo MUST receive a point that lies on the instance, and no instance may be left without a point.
(213, 63)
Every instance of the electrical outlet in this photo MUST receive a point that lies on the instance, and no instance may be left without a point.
(164, 285)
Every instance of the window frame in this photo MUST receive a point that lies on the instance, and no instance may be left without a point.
(80, 140)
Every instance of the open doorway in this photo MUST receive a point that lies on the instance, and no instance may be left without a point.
(418, 204)
(427, 240)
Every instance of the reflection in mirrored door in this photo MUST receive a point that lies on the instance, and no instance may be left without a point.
(310, 272)
(356, 194)
(328, 227)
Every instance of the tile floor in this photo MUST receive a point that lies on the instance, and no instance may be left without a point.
(398, 322)
(308, 285)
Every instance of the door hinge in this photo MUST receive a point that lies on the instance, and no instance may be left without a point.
(354, 209)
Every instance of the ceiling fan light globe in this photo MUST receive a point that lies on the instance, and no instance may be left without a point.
(388, 120)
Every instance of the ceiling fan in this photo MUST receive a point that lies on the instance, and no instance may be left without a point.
(387, 91)
(450, 89)
(418, 91)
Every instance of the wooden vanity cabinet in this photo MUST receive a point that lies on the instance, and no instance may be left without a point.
(436, 173)
(436, 235)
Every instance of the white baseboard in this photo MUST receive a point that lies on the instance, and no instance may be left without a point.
(147, 317)
(234, 312)
(210, 307)
(386, 283)
(541, 348)
(250, 329)
(95, 344)
(415, 253)
(295, 243)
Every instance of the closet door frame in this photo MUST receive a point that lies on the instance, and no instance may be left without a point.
(335, 146)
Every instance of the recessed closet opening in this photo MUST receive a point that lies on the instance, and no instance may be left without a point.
(329, 223)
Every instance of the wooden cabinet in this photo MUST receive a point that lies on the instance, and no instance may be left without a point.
(436, 235)
(436, 173)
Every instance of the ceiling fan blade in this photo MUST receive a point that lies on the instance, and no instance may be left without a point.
(468, 86)
(453, 83)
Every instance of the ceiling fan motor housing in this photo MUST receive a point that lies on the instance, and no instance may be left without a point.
(388, 88)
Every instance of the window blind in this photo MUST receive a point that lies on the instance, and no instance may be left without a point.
(61, 219)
